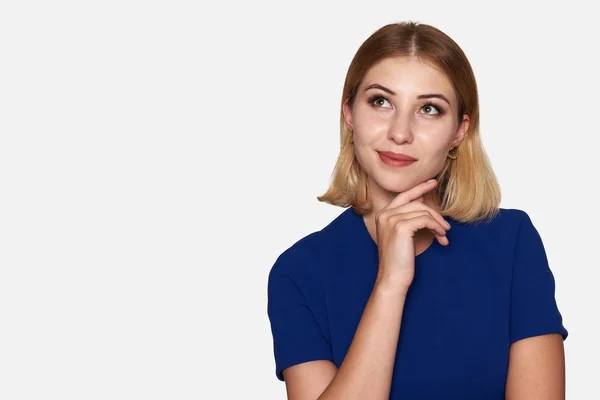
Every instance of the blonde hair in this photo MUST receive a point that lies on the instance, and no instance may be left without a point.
(468, 190)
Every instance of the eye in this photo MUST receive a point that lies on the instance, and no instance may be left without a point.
(430, 106)
(378, 101)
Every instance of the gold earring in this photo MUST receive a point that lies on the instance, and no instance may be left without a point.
(351, 135)
(452, 155)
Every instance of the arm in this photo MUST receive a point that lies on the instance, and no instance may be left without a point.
(367, 369)
(536, 362)
(536, 369)
(366, 372)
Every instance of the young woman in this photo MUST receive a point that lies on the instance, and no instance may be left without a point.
(423, 288)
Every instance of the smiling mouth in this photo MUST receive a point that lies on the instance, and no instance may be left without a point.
(395, 159)
(396, 156)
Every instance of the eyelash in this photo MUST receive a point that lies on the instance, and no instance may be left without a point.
(440, 111)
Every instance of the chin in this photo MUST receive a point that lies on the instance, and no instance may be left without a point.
(396, 184)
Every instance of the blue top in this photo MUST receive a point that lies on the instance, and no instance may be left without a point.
(468, 302)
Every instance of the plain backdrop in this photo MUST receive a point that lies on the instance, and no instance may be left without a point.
(156, 157)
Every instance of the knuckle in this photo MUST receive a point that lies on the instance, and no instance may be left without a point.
(427, 220)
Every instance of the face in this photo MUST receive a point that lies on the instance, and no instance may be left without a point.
(391, 114)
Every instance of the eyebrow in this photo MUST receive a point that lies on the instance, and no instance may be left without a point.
(421, 96)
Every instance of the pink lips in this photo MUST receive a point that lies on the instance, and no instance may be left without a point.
(395, 159)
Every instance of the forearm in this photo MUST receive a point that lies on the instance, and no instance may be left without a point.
(366, 372)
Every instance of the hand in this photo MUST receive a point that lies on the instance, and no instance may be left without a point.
(396, 225)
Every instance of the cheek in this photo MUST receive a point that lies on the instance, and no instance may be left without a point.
(437, 158)
(434, 149)
(368, 125)
(364, 154)
(439, 152)
(437, 140)
(370, 133)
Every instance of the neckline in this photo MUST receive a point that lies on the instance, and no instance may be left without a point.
(365, 233)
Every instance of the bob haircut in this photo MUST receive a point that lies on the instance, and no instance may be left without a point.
(467, 190)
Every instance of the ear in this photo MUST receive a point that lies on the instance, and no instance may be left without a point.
(462, 130)
(347, 114)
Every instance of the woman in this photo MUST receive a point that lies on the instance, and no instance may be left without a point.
(423, 288)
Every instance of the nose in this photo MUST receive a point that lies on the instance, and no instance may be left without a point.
(400, 129)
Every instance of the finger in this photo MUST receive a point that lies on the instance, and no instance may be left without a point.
(414, 206)
(415, 220)
(412, 194)
(432, 225)
(443, 240)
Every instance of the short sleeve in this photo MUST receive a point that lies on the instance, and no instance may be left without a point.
(297, 337)
(534, 310)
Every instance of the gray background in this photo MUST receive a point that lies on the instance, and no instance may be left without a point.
(156, 157)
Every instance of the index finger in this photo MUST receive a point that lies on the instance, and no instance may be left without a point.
(412, 194)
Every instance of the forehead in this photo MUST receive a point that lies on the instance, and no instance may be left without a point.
(408, 76)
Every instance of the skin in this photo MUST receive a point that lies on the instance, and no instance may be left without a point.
(402, 198)
(401, 123)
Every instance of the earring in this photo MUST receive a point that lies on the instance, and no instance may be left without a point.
(351, 135)
(453, 155)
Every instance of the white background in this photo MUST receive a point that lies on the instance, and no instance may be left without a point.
(156, 157)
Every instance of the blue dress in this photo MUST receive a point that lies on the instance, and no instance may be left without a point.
(469, 301)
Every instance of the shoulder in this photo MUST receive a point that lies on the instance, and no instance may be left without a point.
(511, 221)
(506, 220)
(492, 238)
(512, 216)
(310, 252)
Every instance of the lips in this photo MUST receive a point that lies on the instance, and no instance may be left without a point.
(397, 156)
